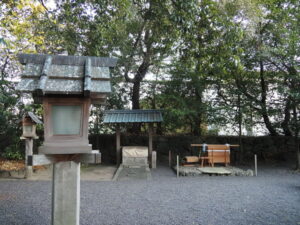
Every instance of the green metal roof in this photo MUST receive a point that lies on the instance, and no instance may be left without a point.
(133, 116)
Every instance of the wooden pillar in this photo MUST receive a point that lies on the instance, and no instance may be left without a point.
(118, 144)
(255, 165)
(150, 145)
(177, 166)
(28, 152)
(66, 193)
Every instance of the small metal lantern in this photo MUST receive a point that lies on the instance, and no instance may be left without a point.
(29, 122)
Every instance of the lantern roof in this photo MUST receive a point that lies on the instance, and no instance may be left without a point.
(66, 75)
(33, 117)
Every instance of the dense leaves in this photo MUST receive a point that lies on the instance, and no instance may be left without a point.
(213, 66)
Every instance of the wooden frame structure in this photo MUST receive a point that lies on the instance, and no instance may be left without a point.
(214, 153)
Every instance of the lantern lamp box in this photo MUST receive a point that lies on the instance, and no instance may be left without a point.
(29, 122)
(66, 86)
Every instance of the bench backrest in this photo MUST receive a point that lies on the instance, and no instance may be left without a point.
(218, 147)
(219, 153)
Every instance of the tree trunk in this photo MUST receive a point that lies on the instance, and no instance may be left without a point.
(136, 95)
(136, 127)
(139, 76)
(196, 126)
(287, 116)
(159, 129)
(264, 87)
(264, 110)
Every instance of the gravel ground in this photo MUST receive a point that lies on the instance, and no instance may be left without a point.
(271, 198)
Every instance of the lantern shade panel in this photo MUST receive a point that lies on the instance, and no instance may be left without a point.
(66, 119)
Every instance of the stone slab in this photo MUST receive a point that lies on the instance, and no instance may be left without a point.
(215, 170)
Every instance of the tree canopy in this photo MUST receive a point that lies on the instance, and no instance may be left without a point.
(227, 66)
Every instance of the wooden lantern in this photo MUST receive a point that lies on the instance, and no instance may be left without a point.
(66, 86)
(29, 122)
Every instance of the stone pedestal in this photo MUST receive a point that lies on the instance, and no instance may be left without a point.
(66, 193)
(28, 152)
(154, 158)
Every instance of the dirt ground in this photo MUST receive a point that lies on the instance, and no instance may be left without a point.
(88, 172)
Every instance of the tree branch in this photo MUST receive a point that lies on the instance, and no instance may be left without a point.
(43, 4)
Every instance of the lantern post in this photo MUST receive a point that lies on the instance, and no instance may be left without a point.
(29, 122)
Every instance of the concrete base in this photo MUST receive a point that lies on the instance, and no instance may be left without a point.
(67, 149)
(153, 163)
(66, 193)
(135, 161)
(132, 173)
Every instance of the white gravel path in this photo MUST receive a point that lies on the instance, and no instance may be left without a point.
(271, 198)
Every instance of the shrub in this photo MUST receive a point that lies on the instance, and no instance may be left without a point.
(13, 152)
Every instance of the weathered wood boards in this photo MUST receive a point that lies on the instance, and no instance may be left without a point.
(218, 154)
(150, 143)
(212, 154)
(191, 159)
(118, 144)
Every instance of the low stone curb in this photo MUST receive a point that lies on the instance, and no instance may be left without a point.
(196, 171)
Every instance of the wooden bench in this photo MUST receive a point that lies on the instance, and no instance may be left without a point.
(190, 161)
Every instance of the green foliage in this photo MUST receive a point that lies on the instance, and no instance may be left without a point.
(215, 62)
(17, 33)
(13, 152)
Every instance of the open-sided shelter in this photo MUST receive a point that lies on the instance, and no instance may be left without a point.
(119, 117)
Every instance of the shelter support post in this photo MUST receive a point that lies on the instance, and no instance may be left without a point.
(28, 152)
(150, 145)
(170, 159)
(177, 166)
(66, 193)
(255, 165)
(118, 144)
